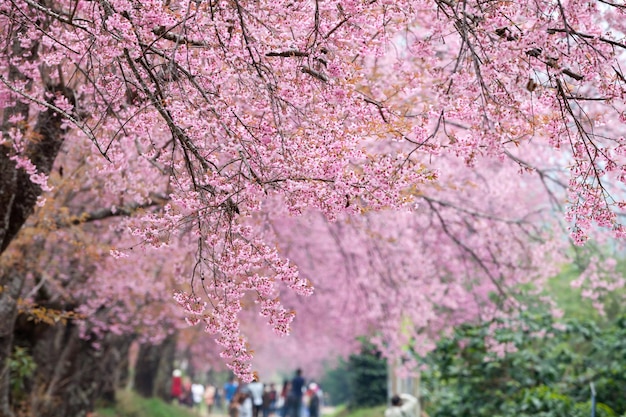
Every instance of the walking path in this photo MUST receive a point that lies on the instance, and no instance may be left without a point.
(326, 411)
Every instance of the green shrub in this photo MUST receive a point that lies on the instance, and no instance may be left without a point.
(21, 366)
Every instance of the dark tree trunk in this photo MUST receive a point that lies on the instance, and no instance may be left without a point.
(18, 196)
(11, 283)
(163, 383)
(71, 375)
(123, 367)
(116, 363)
(154, 368)
(146, 369)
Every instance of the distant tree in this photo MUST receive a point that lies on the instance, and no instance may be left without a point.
(336, 383)
(368, 377)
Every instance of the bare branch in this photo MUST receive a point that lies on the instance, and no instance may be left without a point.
(287, 54)
(156, 200)
(316, 74)
(66, 115)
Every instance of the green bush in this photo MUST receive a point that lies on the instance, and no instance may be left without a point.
(359, 382)
(368, 371)
(21, 367)
(584, 410)
(544, 371)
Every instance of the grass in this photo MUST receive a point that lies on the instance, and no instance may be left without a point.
(130, 404)
(377, 411)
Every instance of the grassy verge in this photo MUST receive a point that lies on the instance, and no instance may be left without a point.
(130, 404)
(378, 411)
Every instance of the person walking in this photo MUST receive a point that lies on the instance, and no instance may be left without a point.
(255, 388)
(186, 397)
(176, 390)
(233, 405)
(314, 400)
(269, 400)
(230, 388)
(197, 395)
(245, 404)
(218, 398)
(284, 399)
(403, 405)
(297, 385)
(209, 397)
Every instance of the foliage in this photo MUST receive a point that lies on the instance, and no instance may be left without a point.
(377, 411)
(206, 125)
(336, 383)
(368, 377)
(570, 288)
(584, 410)
(359, 382)
(540, 401)
(130, 404)
(203, 116)
(50, 316)
(21, 367)
(530, 366)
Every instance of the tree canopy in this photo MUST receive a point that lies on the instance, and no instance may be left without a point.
(405, 158)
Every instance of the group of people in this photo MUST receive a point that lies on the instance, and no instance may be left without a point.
(295, 399)
(193, 394)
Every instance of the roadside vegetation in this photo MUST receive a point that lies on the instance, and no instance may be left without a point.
(130, 404)
(531, 363)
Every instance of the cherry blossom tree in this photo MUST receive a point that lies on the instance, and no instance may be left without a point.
(229, 107)
(407, 277)
(69, 273)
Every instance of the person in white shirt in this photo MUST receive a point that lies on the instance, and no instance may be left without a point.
(197, 393)
(245, 405)
(402, 405)
(255, 388)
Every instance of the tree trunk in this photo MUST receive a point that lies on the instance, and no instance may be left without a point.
(71, 375)
(163, 382)
(11, 286)
(123, 367)
(154, 368)
(18, 196)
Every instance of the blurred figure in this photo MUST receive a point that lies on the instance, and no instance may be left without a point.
(177, 386)
(269, 400)
(314, 400)
(255, 388)
(233, 406)
(297, 385)
(197, 395)
(230, 388)
(186, 397)
(284, 399)
(245, 404)
(402, 405)
(218, 398)
(209, 398)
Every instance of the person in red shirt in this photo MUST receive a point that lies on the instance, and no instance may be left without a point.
(177, 385)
